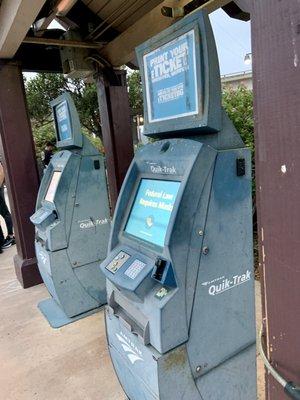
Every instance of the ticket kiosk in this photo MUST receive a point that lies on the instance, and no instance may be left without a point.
(180, 317)
(72, 221)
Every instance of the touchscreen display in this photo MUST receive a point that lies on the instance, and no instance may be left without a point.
(63, 124)
(53, 186)
(151, 211)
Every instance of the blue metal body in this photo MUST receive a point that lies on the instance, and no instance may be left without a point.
(180, 318)
(72, 222)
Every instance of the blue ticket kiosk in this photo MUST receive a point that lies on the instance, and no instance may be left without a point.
(180, 318)
(72, 221)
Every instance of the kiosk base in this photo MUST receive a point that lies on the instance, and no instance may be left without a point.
(55, 315)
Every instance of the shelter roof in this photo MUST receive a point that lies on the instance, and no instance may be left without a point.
(109, 29)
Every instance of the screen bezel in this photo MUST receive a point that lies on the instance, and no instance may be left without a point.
(58, 136)
(199, 95)
(48, 187)
(129, 238)
(209, 118)
(134, 204)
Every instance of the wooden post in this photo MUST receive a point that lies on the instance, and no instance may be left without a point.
(116, 130)
(16, 146)
(276, 70)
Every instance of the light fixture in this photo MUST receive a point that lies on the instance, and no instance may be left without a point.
(64, 6)
(248, 59)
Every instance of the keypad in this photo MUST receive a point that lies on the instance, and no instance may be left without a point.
(134, 269)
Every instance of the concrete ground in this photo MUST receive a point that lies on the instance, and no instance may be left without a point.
(40, 363)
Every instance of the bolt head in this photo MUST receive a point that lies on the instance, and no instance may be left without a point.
(205, 250)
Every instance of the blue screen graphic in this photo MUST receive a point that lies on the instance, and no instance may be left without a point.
(171, 79)
(63, 121)
(150, 215)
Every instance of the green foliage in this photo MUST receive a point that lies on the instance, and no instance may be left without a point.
(135, 93)
(43, 88)
(42, 135)
(239, 106)
(39, 92)
(96, 141)
(86, 102)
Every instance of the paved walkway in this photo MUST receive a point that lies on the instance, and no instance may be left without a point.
(39, 363)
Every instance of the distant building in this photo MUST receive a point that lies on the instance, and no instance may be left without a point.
(238, 79)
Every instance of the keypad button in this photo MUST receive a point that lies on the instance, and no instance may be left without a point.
(134, 269)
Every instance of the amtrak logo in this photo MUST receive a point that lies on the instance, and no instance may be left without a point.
(132, 352)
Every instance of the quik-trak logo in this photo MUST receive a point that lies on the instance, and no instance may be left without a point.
(222, 284)
(91, 223)
(162, 169)
(132, 352)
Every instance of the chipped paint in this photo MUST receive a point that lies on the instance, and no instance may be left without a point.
(263, 253)
(175, 359)
(283, 169)
(294, 44)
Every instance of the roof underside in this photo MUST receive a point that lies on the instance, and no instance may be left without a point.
(111, 29)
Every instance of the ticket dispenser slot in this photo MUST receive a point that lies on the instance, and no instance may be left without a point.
(133, 320)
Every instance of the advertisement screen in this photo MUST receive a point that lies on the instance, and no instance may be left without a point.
(53, 186)
(171, 79)
(63, 124)
(151, 211)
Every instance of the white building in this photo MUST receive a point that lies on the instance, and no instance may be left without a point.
(238, 79)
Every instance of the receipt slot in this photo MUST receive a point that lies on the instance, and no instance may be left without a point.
(72, 221)
(180, 318)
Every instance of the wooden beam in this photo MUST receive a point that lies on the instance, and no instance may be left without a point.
(245, 5)
(213, 5)
(60, 10)
(16, 17)
(62, 43)
(276, 71)
(116, 129)
(122, 49)
(21, 174)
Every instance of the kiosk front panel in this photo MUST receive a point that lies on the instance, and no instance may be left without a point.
(180, 317)
(72, 221)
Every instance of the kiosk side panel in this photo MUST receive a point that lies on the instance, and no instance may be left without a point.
(224, 295)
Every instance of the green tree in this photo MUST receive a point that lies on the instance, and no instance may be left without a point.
(40, 90)
(41, 136)
(238, 104)
(135, 93)
(43, 88)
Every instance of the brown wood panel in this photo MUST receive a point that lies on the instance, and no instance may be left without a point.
(276, 49)
(117, 135)
(16, 146)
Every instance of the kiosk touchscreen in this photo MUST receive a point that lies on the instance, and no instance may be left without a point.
(72, 222)
(180, 317)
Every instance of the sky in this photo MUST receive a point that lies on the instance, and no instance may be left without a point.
(233, 39)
